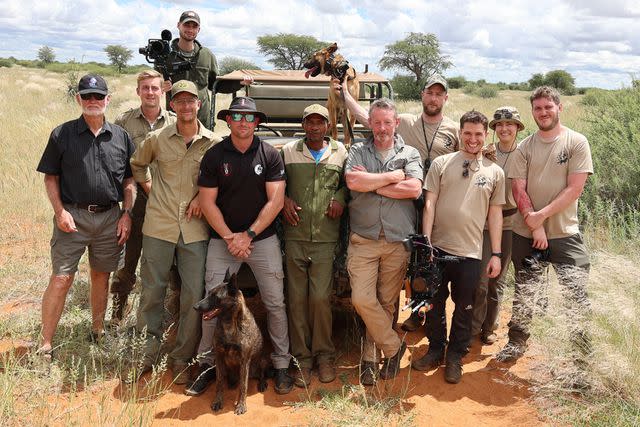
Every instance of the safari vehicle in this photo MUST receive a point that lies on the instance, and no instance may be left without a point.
(283, 95)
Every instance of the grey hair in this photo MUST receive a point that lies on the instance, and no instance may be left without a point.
(383, 104)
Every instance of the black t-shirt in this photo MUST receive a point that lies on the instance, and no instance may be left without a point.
(91, 168)
(241, 181)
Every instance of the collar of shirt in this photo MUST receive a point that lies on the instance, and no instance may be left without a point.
(228, 145)
(301, 144)
(398, 144)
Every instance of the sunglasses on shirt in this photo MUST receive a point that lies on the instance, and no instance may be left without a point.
(236, 117)
(96, 96)
(466, 165)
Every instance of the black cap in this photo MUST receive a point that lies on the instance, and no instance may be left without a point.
(242, 104)
(189, 15)
(92, 83)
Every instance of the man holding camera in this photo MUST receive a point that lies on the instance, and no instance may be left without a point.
(204, 67)
(549, 173)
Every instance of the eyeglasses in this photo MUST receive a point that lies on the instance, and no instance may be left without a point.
(96, 96)
(503, 114)
(236, 117)
(466, 165)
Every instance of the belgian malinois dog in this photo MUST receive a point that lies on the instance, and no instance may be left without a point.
(237, 342)
(326, 62)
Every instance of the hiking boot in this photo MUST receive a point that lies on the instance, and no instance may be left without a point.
(511, 352)
(453, 370)
(326, 372)
(431, 360)
(412, 323)
(302, 377)
(181, 373)
(368, 373)
(488, 338)
(205, 376)
(391, 365)
(284, 383)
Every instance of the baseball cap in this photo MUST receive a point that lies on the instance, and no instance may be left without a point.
(92, 83)
(189, 15)
(184, 86)
(437, 79)
(315, 109)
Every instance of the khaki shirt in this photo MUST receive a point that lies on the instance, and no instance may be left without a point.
(137, 126)
(546, 166)
(463, 202)
(445, 142)
(174, 184)
(505, 161)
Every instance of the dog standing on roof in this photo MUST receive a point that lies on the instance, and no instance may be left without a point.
(326, 62)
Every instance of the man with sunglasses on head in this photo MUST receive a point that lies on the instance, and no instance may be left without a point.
(463, 190)
(242, 183)
(204, 67)
(173, 229)
(87, 174)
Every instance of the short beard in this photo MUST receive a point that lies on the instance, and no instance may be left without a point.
(429, 113)
(553, 124)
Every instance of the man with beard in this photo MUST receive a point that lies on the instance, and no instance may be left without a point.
(430, 132)
(204, 66)
(87, 174)
(385, 177)
(549, 172)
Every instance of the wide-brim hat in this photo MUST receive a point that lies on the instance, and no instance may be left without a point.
(242, 104)
(506, 114)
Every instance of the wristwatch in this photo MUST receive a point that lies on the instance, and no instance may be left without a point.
(498, 254)
(251, 233)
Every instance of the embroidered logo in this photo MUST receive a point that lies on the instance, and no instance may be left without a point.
(258, 169)
(226, 169)
(481, 181)
(563, 157)
(447, 141)
(93, 82)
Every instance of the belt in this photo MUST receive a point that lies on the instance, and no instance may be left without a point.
(509, 212)
(94, 208)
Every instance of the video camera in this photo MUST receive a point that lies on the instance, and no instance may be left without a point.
(158, 51)
(424, 272)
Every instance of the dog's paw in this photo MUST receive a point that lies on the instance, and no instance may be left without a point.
(241, 408)
(262, 385)
(216, 405)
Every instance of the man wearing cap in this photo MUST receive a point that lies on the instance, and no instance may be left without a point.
(506, 124)
(463, 191)
(430, 132)
(204, 67)
(173, 227)
(242, 182)
(138, 122)
(87, 174)
(549, 172)
(385, 177)
(314, 203)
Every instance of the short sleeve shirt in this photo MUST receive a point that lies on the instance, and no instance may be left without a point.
(463, 202)
(505, 161)
(92, 169)
(446, 139)
(241, 180)
(546, 166)
(370, 213)
(137, 126)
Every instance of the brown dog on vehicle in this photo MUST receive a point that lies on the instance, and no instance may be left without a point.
(326, 62)
(237, 342)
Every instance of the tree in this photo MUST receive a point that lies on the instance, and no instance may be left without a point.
(417, 53)
(118, 55)
(536, 80)
(561, 80)
(288, 51)
(46, 55)
(231, 63)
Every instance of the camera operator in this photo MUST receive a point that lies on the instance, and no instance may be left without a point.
(549, 172)
(204, 67)
(463, 190)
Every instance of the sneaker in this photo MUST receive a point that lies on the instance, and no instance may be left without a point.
(326, 372)
(453, 370)
(181, 373)
(368, 373)
(431, 360)
(205, 376)
(488, 338)
(412, 323)
(302, 377)
(511, 352)
(284, 383)
(391, 365)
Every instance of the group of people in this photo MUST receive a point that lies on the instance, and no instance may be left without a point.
(205, 205)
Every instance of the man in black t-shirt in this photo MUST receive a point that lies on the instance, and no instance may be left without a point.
(242, 184)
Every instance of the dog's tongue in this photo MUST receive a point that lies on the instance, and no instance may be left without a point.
(211, 314)
(309, 71)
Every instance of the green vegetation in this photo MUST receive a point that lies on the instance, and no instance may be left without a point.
(231, 63)
(288, 51)
(118, 56)
(46, 55)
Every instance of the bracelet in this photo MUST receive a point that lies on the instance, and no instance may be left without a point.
(498, 254)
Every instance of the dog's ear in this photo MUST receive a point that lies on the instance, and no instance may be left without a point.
(333, 47)
(232, 285)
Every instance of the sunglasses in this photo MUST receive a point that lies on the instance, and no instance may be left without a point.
(236, 117)
(96, 96)
(503, 114)
(466, 165)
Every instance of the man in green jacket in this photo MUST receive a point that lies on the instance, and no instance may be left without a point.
(316, 196)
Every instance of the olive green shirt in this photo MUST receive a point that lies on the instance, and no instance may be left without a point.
(174, 184)
(137, 126)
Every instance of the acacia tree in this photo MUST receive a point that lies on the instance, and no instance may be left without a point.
(288, 51)
(118, 55)
(418, 53)
(561, 80)
(232, 63)
(46, 55)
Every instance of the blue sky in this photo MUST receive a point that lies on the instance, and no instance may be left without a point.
(597, 42)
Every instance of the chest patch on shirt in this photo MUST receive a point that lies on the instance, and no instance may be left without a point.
(258, 169)
(226, 169)
(563, 157)
(481, 181)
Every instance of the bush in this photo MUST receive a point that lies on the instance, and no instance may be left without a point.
(469, 89)
(456, 82)
(5, 63)
(406, 87)
(488, 91)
